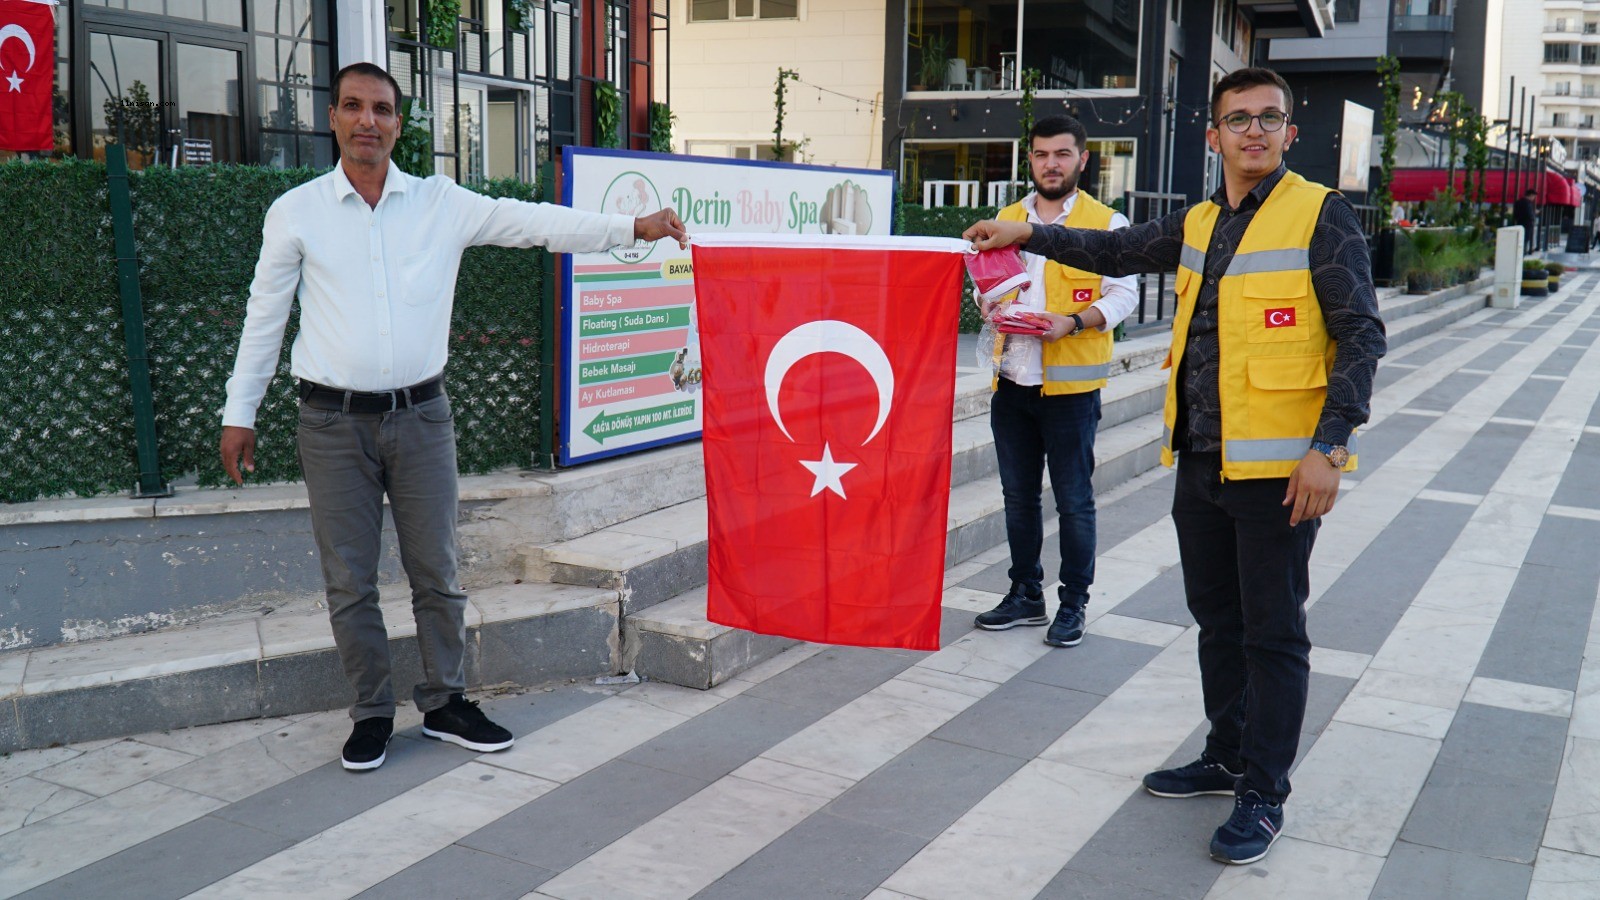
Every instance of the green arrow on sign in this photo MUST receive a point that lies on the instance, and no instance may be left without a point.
(616, 425)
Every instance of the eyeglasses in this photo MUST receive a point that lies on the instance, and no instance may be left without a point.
(1239, 122)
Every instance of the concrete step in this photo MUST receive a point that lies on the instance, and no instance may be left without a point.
(285, 663)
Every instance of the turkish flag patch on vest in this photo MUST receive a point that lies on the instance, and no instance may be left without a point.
(1082, 295)
(1280, 318)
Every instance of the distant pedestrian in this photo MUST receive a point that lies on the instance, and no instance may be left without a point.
(1525, 213)
(372, 254)
(1274, 346)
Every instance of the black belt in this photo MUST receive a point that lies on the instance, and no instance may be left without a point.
(320, 396)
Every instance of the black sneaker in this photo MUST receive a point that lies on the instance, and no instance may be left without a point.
(368, 743)
(1067, 629)
(1016, 609)
(1203, 776)
(461, 722)
(1250, 832)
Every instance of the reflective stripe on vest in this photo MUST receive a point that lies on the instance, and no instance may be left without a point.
(1193, 258)
(1268, 261)
(1077, 373)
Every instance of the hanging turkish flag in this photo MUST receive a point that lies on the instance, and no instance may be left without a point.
(829, 374)
(27, 74)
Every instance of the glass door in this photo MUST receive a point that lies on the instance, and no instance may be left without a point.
(170, 99)
(127, 98)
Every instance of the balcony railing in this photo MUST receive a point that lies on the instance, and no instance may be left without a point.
(1423, 23)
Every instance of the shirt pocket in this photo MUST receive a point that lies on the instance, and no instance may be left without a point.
(1277, 306)
(1286, 394)
(423, 281)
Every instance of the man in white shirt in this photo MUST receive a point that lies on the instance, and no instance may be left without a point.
(1046, 406)
(373, 254)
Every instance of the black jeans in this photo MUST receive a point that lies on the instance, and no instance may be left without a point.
(1031, 431)
(1245, 574)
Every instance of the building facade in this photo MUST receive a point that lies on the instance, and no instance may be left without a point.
(1137, 73)
(506, 82)
(726, 55)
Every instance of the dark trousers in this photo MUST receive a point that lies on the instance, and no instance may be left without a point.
(350, 461)
(1245, 574)
(1032, 431)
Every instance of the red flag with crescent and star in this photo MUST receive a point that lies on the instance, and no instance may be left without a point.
(829, 373)
(27, 74)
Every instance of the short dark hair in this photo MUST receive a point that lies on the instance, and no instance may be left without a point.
(1050, 126)
(1243, 79)
(1530, 192)
(369, 70)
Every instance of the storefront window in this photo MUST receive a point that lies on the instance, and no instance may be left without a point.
(293, 71)
(1111, 168)
(971, 45)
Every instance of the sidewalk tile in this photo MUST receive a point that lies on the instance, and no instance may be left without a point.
(688, 847)
(1134, 730)
(1399, 716)
(1479, 814)
(1301, 869)
(1023, 832)
(1559, 875)
(1157, 844)
(443, 875)
(1427, 873)
(26, 800)
(1575, 814)
(1506, 743)
(1019, 719)
(174, 863)
(414, 825)
(862, 735)
(583, 816)
(1514, 695)
(924, 789)
(1356, 786)
(823, 856)
(110, 769)
(720, 740)
(75, 838)
(578, 743)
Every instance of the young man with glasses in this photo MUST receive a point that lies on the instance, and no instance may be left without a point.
(1274, 345)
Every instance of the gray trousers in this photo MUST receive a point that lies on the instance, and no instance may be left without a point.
(350, 461)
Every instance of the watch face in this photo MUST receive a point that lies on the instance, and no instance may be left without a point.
(1338, 457)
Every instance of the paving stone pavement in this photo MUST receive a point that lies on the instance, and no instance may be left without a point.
(1451, 746)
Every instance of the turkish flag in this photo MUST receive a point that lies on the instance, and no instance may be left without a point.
(27, 75)
(829, 377)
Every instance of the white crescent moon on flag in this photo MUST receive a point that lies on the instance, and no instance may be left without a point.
(1279, 317)
(829, 336)
(17, 31)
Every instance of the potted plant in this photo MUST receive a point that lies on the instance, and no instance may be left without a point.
(935, 59)
(1535, 279)
(1554, 270)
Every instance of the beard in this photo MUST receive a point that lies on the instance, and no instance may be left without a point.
(1069, 183)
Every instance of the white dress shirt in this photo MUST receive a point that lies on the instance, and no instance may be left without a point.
(1023, 361)
(376, 284)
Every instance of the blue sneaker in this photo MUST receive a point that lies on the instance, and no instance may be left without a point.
(1017, 608)
(1250, 832)
(1203, 776)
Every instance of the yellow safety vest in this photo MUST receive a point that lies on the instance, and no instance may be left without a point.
(1274, 349)
(1080, 363)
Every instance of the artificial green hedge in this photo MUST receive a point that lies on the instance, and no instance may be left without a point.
(949, 221)
(65, 403)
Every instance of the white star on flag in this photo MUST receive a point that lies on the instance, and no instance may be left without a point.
(828, 472)
(16, 83)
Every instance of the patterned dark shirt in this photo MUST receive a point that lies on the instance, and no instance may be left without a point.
(1341, 273)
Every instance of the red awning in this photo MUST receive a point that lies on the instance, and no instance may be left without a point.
(1412, 185)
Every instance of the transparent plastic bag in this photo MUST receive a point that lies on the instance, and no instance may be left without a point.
(1009, 357)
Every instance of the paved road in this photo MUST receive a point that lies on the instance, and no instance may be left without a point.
(1452, 746)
